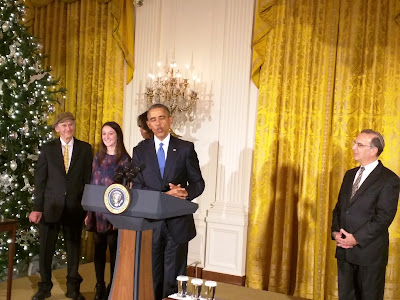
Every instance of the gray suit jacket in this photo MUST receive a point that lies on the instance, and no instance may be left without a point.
(58, 193)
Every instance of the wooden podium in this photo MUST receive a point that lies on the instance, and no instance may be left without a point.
(146, 211)
(122, 287)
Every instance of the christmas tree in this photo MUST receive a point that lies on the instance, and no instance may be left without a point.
(28, 95)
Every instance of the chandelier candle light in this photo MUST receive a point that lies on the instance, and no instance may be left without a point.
(172, 88)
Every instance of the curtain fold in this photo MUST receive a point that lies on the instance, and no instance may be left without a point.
(264, 18)
(88, 44)
(325, 70)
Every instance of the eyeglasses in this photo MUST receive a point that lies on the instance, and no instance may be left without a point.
(359, 145)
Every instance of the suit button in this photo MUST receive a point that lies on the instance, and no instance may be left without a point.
(347, 211)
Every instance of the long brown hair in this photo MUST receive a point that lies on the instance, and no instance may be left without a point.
(120, 147)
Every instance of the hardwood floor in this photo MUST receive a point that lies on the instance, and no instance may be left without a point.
(24, 288)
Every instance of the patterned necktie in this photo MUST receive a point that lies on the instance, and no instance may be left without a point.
(66, 158)
(161, 159)
(357, 182)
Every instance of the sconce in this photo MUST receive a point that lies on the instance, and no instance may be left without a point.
(174, 89)
(138, 3)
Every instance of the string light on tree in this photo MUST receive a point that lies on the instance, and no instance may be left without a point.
(27, 96)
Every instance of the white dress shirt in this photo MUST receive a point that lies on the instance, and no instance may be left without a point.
(367, 170)
(70, 148)
(165, 144)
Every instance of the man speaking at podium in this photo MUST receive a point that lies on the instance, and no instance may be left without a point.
(170, 165)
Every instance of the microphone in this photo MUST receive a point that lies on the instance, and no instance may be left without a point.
(125, 174)
(131, 171)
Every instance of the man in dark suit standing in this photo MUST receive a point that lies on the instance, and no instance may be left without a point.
(170, 165)
(366, 207)
(63, 169)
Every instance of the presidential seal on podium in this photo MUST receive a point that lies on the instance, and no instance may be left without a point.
(116, 198)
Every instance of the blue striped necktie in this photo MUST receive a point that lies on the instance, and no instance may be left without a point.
(161, 159)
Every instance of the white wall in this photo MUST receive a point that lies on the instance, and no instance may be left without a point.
(214, 35)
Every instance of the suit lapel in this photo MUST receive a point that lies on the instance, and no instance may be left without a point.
(75, 153)
(59, 154)
(152, 162)
(171, 158)
(374, 176)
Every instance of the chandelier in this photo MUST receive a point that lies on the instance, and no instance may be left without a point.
(173, 89)
(138, 3)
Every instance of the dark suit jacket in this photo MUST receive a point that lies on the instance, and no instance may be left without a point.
(57, 192)
(181, 167)
(367, 216)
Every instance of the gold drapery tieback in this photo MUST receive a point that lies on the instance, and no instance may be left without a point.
(66, 158)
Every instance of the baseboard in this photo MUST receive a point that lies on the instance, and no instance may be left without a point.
(194, 271)
(220, 277)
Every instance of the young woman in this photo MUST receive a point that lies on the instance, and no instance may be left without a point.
(111, 156)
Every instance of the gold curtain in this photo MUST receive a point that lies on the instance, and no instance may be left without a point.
(87, 43)
(325, 69)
